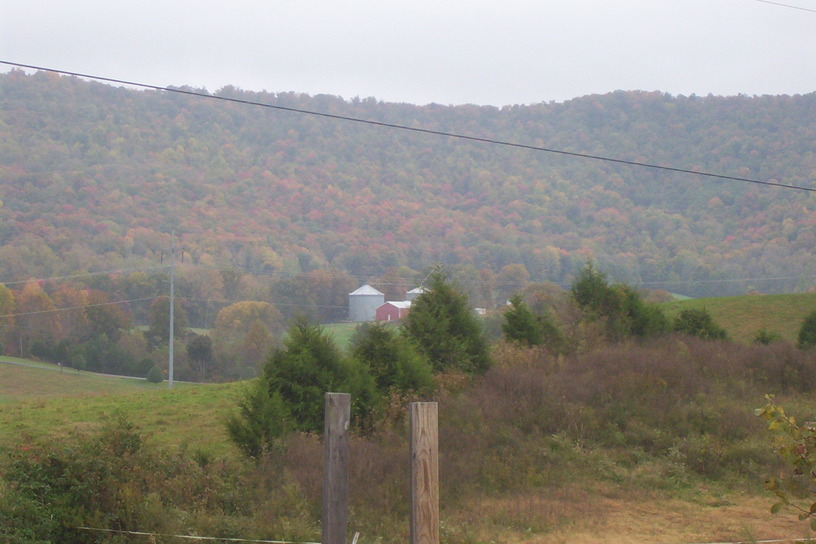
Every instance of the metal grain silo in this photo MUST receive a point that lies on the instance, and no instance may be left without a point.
(414, 293)
(363, 303)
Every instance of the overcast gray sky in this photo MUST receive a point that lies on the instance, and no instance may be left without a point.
(422, 51)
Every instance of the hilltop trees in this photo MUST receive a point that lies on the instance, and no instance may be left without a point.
(274, 195)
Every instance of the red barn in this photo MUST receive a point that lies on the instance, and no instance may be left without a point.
(393, 310)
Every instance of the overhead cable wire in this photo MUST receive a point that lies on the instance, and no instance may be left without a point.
(84, 275)
(787, 5)
(372, 279)
(66, 308)
(275, 304)
(417, 129)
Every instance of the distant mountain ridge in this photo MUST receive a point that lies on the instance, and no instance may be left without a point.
(95, 177)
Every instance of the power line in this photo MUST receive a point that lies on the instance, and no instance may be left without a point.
(66, 308)
(274, 304)
(468, 283)
(419, 130)
(787, 5)
(726, 280)
(84, 275)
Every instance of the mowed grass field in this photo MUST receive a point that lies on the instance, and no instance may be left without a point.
(38, 403)
(41, 400)
(742, 317)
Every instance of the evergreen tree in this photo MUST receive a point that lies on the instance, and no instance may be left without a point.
(446, 329)
(521, 325)
(392, 358)
(619, 305)
(261, 420)
(641, 318)
(807, 332)
(308, 366)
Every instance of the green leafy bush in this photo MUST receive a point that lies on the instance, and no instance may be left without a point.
(698, 322)
(521, 325)
(112, 479)
(765, 337)
(807, 332)
(524, 327)
(155, 375)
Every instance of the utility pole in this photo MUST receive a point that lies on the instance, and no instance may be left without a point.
(172, 308)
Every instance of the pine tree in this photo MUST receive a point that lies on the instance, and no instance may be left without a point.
(311, 365)
(392, 358)
(446, 329)
(521, 325)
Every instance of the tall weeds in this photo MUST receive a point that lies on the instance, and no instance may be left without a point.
(664, 414)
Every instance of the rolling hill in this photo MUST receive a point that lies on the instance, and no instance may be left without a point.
(94, 177)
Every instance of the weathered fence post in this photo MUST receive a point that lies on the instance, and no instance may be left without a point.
(335, 468)
(424, 473)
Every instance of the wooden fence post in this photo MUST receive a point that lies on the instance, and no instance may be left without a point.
(424, 473)
(335, 468)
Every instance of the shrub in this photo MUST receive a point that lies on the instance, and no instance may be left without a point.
(698, 322)
(112, 479)
(765, 337)
(520, 324)
(807, 332)
(155, 375)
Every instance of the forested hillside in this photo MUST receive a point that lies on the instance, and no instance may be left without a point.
(94, 177)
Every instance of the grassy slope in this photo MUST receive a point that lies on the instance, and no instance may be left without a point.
(37, 402)
(742, 317)
(342, 332)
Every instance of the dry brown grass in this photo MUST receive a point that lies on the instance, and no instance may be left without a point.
(576, 515)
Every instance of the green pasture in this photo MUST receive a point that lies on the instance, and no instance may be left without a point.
(41, 402)
(742, 317)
